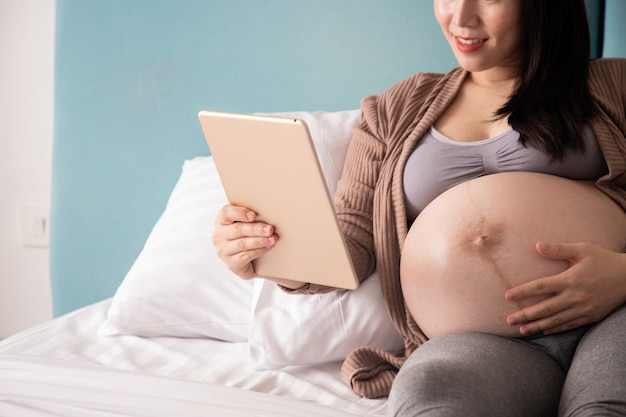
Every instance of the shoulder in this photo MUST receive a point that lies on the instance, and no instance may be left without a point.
(608, 70)
(604, 63)
(607, 83)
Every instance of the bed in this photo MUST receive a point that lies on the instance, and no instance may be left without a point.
(148, 321)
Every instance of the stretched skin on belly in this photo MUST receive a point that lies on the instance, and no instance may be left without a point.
(483, 237)
(477, 240)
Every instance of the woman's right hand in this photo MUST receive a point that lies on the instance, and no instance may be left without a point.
(239, 239)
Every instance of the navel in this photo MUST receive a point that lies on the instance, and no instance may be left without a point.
(482, 237)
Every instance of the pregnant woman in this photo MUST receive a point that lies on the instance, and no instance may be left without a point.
(491, 201)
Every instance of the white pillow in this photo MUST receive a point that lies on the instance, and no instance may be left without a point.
(177, 285)
(291, 329)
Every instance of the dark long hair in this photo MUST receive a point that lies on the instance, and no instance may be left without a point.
(552, 102)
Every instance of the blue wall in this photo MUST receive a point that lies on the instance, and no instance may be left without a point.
(615, 29)
(131, 77)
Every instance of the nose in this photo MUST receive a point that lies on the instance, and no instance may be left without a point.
(466, 13)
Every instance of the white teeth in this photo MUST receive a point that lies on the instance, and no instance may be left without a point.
(470, 41)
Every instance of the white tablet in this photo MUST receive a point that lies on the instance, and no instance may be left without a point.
(269, 165)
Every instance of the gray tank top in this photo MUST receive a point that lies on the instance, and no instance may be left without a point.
(439, 163)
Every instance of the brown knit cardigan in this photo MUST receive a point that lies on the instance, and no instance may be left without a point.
(370, 200)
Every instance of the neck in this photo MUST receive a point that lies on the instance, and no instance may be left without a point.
(495, 78)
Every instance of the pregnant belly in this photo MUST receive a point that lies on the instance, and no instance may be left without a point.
(477, 240)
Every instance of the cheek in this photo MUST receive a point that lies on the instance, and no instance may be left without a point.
(510, 44)
(510, 30)
(442, 14)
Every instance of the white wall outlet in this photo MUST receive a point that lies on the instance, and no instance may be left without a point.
(35, 227)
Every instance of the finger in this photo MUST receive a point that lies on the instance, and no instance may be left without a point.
(241, 263)
(538, 287)
(547, 308)
(249, 245)
(230, 214)
(559, 251)
(569, 252)
(240, 230)
(563, 321)
(235, 239)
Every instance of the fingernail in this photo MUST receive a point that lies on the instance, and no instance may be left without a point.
(266, 229)
(250, 216)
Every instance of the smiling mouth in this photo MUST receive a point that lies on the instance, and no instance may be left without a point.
(469, 45)
(465, 41)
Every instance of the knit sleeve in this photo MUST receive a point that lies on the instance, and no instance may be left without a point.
(354, 199)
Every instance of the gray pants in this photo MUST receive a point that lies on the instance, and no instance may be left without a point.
(577, 373)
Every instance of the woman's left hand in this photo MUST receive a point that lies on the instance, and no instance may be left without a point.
(591, 288)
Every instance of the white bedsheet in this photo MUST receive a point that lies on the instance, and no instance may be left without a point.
(53, 386)
(62, 368)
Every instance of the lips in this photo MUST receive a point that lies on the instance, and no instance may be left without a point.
(469, 44)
